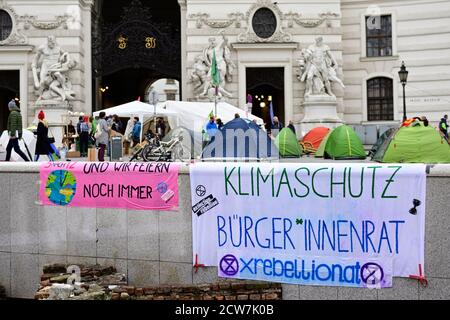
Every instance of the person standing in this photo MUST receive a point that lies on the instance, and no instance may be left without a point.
(211, 130)
(276, 127)
(291, 126)
(161, 128)
(80, 121)
(102, 140)
(14, 128)
(219, 123)
(84, 136)
(69, 132)
(117, 124)
(443, 126)
(42, 143)
(136, 131)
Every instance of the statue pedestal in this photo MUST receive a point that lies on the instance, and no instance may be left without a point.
(55, 112)
(320, 111)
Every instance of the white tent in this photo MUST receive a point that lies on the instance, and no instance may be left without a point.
(28, 137)
(195, 115)
(137, 109)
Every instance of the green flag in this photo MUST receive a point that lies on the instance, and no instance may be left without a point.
(215, 76)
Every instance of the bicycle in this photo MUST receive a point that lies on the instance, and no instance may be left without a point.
(171, 150)
(149, 139)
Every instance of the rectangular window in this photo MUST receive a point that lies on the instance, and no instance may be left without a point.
(380, 99)
(379, 36)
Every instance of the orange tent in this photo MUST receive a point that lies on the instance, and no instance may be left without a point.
(314, 137)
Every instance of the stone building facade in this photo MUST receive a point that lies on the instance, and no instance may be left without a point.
(369, 39)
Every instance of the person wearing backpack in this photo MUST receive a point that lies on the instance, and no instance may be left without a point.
(14, 128)
(84, 136)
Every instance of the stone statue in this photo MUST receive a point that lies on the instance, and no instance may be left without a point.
(201, 75)
(50, 69)
(318, 69)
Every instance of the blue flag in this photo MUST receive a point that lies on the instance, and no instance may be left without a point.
(271, 112)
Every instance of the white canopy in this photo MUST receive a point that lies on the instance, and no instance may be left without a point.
(194, 115)
(136, 109)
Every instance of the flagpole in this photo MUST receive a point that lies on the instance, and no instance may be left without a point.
(215, 100)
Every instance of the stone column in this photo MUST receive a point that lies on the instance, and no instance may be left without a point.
(183, 24)
(87, 34)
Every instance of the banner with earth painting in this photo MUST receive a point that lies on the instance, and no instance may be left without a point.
(133, 186)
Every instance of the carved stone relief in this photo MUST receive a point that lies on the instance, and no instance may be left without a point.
(204, 19)
(276, 29)
(16, 37)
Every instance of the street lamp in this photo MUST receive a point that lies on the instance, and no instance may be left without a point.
(403, 74)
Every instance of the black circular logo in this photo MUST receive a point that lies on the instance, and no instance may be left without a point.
(200, 190)
(372, 273)
(229, 265)
(264, 23)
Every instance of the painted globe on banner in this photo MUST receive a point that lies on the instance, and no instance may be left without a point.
(61, 187)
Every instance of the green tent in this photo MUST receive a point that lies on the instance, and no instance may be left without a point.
(287, 144)
(341, 143)
(414, 144)
(320, 153)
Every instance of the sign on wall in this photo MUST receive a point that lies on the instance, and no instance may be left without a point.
(135, 186)
(354, 225)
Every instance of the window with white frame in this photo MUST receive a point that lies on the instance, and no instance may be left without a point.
(379, 36)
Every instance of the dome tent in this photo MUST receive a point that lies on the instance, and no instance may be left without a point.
(415, 143)
(386, 136)
(340, 144)
(287, 144)
(312, 140)
(240, 139)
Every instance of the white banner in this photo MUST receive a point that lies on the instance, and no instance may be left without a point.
(320, 224)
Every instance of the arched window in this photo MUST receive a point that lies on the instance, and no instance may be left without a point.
(5, 25)
(380, 99)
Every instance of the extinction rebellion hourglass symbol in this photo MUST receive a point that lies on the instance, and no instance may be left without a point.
(229, 265)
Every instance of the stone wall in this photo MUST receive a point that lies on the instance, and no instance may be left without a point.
(155, 248)
(104, 283)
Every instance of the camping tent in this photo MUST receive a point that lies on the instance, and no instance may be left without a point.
(240, 140)
(386, 136)
(414, 144)
(287, 144)
(194, 116)
(27, 137)
(314, 137)
(341, 143)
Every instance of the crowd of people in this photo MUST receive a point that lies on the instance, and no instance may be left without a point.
(98, 130)
(214, 125)
(94, 131)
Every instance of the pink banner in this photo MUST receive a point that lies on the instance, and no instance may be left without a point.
(136, 186)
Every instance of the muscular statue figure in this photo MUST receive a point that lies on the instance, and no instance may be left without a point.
(201, 75)
(319, 69)
(50, 67)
